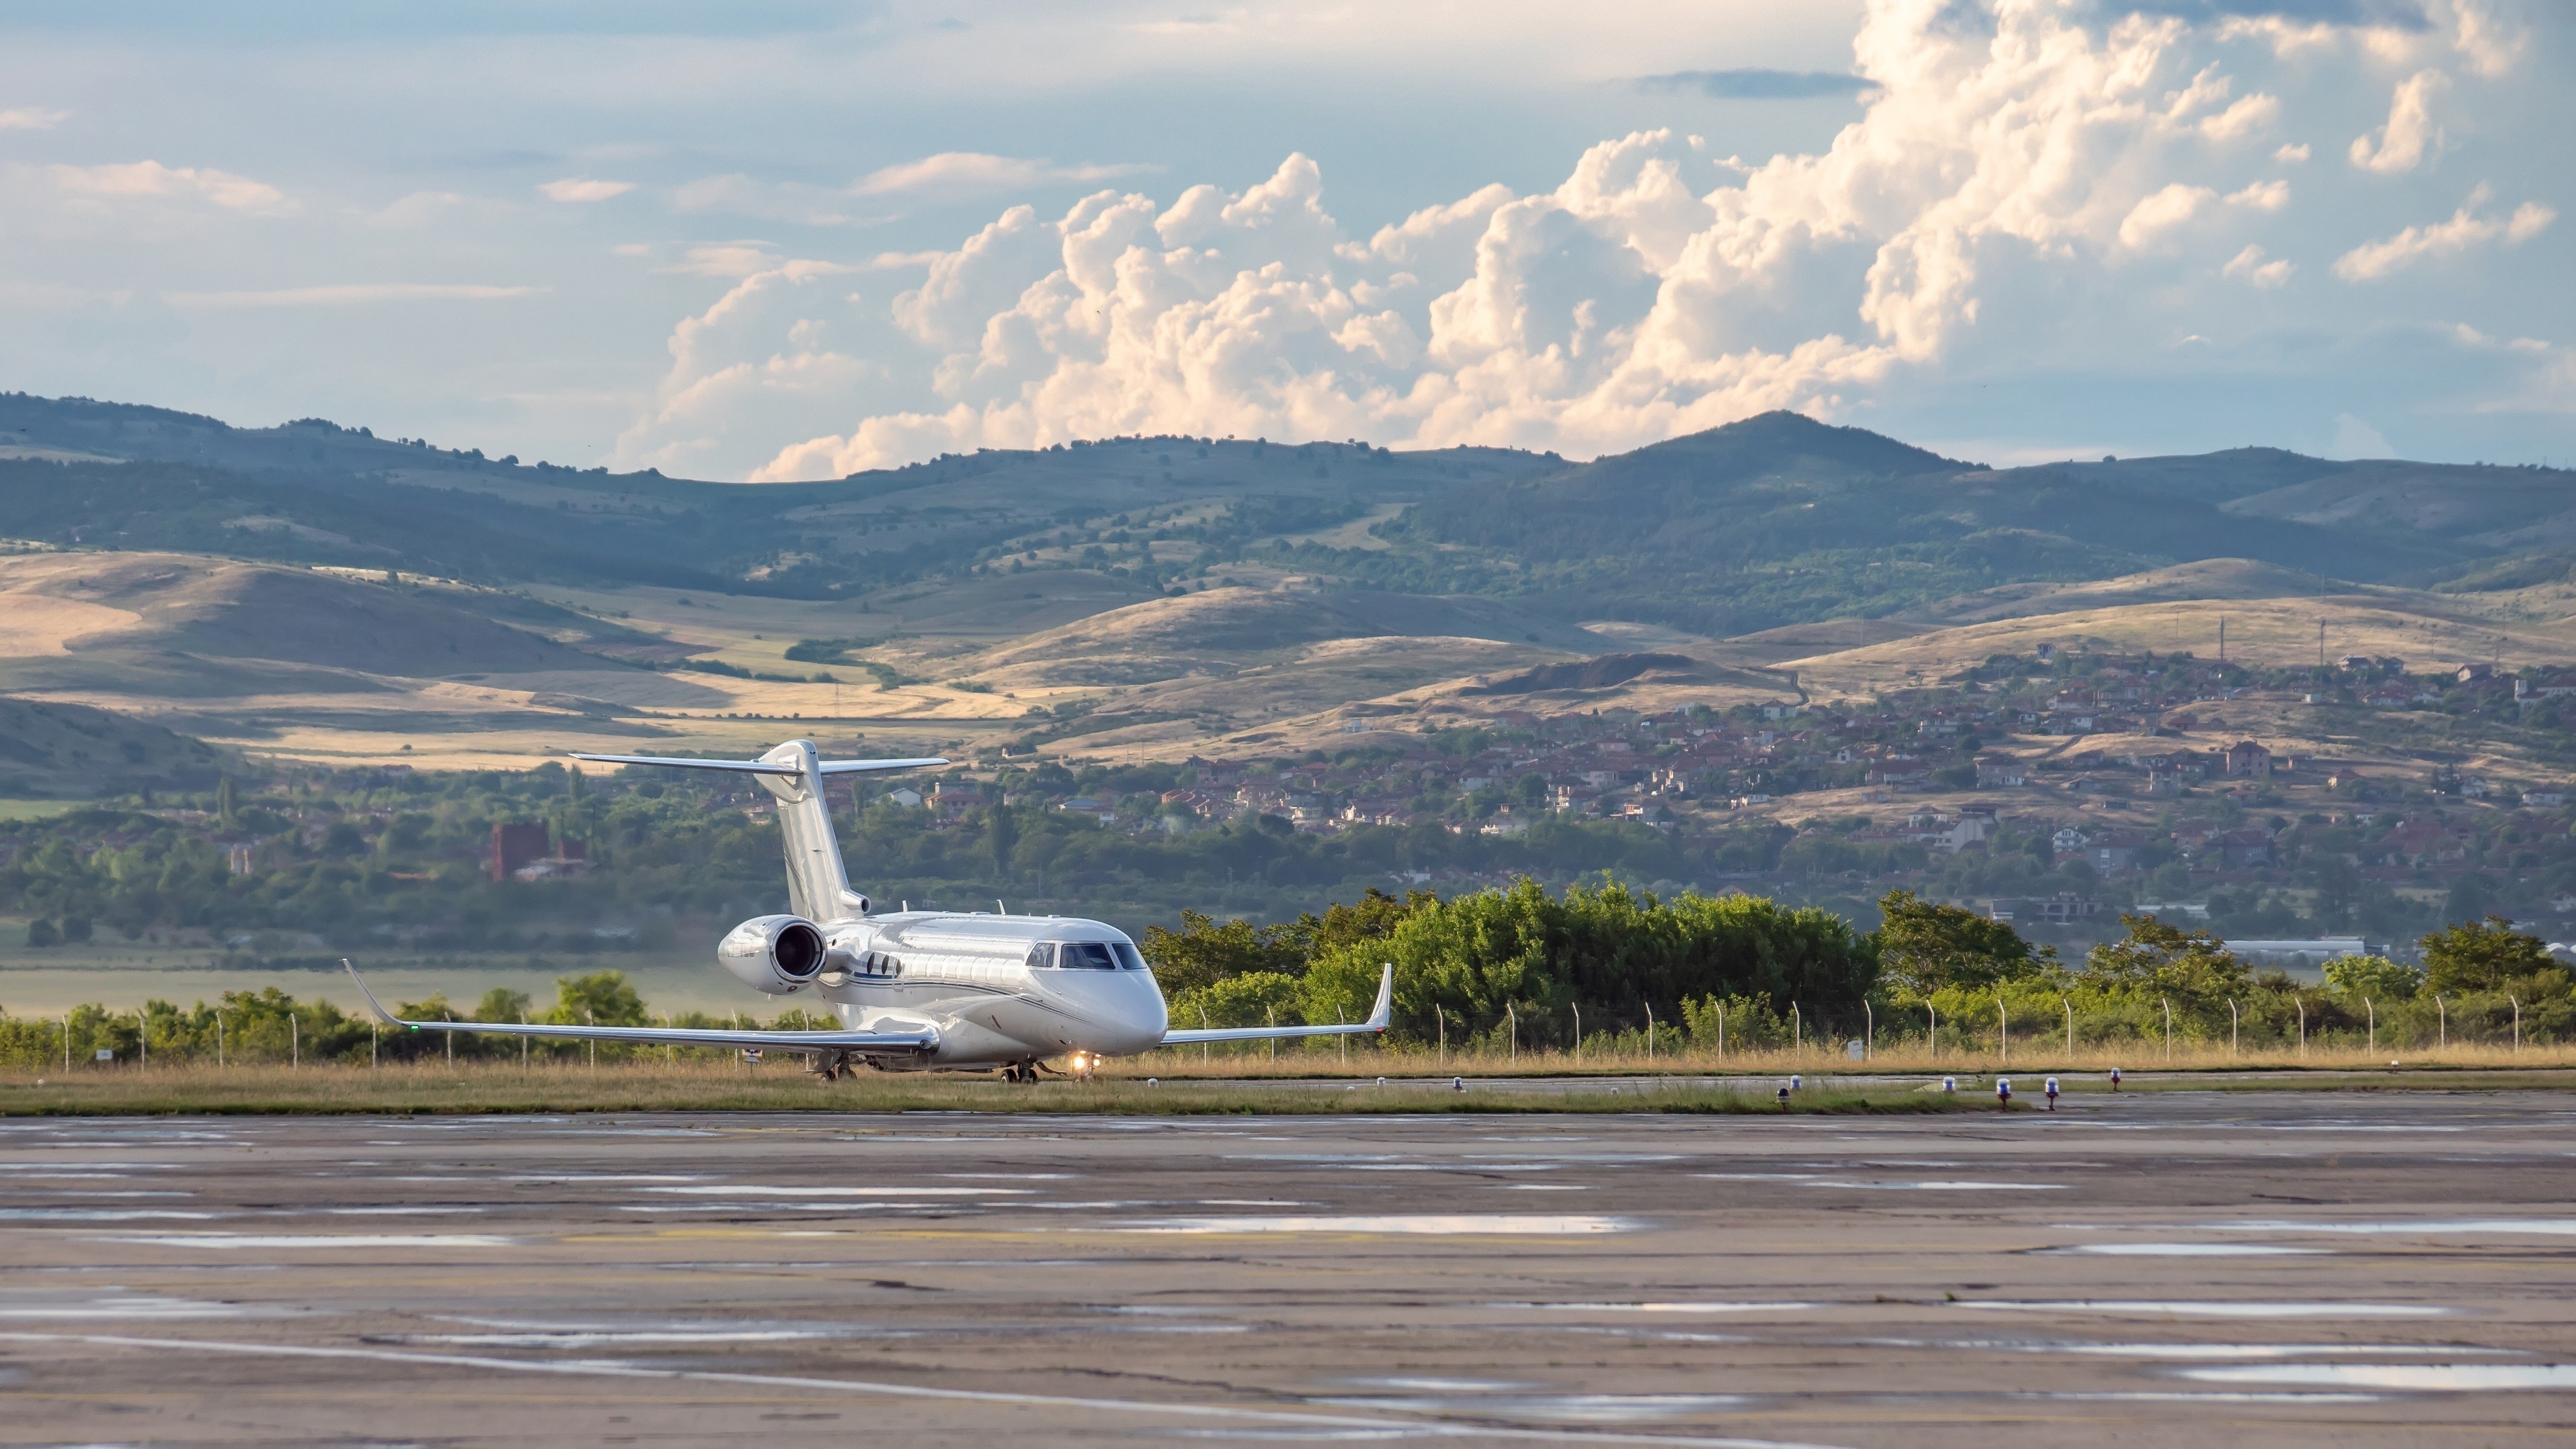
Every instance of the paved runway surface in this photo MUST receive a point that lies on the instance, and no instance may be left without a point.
(2155, 1269)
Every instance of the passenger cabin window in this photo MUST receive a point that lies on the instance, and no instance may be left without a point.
(1087, 956)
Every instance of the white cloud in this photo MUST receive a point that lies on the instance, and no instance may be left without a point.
(2491, 45)
(2249, 266)
(2411, 131)
(150, 179)
(955, 173)
(578, 189)
(2357, 439)
(1654, 291)
(2262, 195)
(31, 118)
(354, 293)
(2466, 229)
(2163, 211)
(947, 176)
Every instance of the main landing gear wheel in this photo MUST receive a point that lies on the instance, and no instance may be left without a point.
(1019, 1072)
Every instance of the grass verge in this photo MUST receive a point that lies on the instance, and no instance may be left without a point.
(476, 1088)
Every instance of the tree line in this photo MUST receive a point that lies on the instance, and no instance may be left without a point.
(1530, 968)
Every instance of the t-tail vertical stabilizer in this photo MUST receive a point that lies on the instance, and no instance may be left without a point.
(818, 889)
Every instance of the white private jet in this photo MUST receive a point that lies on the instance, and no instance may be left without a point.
(915, 990)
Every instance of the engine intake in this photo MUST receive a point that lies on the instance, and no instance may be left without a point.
(775, 954)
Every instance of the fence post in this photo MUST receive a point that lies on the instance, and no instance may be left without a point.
(1869, 1033)
(2003, 1025)
(1204, 1048)
(2517, 1019)
(1514, 1019)
(1578, 1037)
(295, 1040)
(1650, 1031)
(1797, 1030)
(143, 1037)
(2070, 1027)
(2168, 1001)
(1936, 1027)
(2301, 1003)
(67, 1041)
(2370, 1007)
(219, 1038)
(2441, 1023)
(2231, 1026)
(523, 1043)
(1439, 1014)
(1272, 1017)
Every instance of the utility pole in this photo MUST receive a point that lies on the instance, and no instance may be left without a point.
(2222, 638)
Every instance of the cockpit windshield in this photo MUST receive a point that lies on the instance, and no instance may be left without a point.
(1086, 956)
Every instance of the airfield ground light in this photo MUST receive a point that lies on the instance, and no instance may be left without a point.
(2052, 1094)
(2003, 1094)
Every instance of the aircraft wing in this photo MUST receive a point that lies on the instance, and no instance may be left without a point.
(764, 767)
(921, 1039)
(1377, 1022)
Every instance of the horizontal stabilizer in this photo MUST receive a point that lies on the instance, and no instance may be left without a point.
(766, 767)
(920, 1040)
(1377, 1022)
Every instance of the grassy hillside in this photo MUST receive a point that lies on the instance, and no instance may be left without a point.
(316, 590)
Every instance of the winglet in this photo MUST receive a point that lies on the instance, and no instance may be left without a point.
(1384, 1011)
(378, 1007)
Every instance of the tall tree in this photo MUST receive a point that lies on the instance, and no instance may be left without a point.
(1927, 946)
(2488, 955)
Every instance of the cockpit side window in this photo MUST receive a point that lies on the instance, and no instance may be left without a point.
(1087, 956)
(1041, 956)
(1129, 956)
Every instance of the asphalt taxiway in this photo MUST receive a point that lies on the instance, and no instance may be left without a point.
(2164, 1268)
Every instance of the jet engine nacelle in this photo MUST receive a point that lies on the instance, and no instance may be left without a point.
(776, 954)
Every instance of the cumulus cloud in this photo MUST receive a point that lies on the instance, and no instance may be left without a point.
(2465, 230)
(2410, 132)
(578, 189)
(150, 179)
(1657, 289)
(31, 118)
(718, 388)
(2249, 266)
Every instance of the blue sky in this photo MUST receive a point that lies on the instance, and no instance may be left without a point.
(791, 240)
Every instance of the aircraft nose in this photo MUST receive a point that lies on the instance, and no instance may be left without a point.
(1124, 1008)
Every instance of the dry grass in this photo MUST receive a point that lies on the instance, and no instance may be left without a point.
(2037, 1053)
(487, 1088)
(2270, 633)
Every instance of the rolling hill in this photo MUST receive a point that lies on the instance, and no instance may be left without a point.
(314, 589)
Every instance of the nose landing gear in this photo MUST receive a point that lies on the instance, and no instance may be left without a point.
(1020, 1072)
